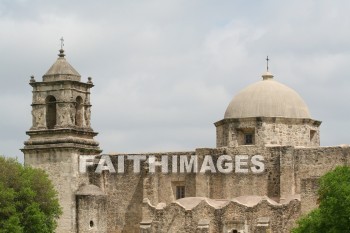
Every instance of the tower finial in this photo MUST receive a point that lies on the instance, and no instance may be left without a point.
(61, 50)
(267, 75)
(267, 63)
(62, 42)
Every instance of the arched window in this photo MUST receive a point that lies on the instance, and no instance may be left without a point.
(79, 112)
(50, 112)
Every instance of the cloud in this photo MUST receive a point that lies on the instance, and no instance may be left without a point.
(165, 71)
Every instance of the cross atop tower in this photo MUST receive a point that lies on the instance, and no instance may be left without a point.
(62, 42)
(267, 63)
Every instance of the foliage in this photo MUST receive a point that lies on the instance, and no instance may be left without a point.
(28, 201)
(333, 213)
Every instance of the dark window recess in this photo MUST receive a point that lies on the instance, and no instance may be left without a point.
(180, 192)
(248, 139)
(312, 134)
(50, 112)
(79, 112)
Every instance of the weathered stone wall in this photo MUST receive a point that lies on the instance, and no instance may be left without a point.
(287, 176)
(309, 196)
(62, 167)
(294, 134)
(311, 163)
(289, 173)
(301, 168)
(124, 195)
(268, 131)
(127, 191)
(91, 214)
(286, 168)
(219, 185)
(264, 215)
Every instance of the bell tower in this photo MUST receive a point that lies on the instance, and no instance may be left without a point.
(60, 132)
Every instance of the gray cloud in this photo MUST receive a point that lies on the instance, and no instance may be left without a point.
(165, 71)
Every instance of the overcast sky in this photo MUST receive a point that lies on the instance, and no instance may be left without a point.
(165, 71)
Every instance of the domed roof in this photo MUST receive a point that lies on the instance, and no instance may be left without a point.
(267, 98)
(61, 70)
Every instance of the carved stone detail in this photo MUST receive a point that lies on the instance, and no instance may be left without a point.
(38, 117)
(87, 116)
(64, 118)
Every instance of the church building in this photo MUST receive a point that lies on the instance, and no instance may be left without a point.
(268, 161)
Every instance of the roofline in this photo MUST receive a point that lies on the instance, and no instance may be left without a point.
(270, 119)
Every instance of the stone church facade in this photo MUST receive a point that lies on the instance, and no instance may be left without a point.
(267, 119)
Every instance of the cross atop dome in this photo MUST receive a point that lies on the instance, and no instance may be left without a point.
(267, 63)
(267, 75)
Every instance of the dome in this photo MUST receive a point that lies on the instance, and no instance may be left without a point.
(267, 98)
(61, 70)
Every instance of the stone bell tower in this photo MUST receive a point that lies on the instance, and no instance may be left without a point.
(60, 132)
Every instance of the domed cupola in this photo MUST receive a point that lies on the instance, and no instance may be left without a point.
(267, 112)
(61, 70)
(267, 98)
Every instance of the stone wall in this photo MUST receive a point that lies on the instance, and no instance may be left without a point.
(234, 184)
(205, 215)
(289, 175)
(124, 195)
(268, 131)
(126, 191)
(311, 163)
(62, 167)
(91, 210)
(308, 189)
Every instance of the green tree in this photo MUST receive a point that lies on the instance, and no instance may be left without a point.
(333, 213)
(28, 200)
